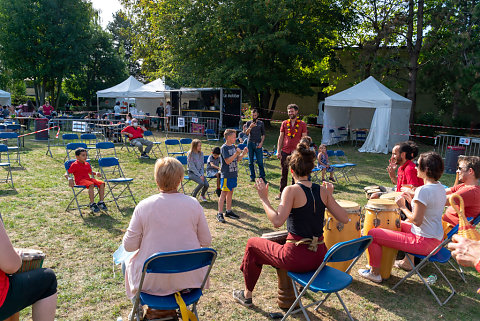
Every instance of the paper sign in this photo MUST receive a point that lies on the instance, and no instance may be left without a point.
(475, 141)
(464, 140)
(195, 120)
(181, 122)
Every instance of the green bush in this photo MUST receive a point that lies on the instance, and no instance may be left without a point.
(310, 119)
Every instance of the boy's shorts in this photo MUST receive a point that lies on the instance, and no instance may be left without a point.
(228, 184)
(91, 181)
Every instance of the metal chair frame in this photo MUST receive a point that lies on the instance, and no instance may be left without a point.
(174, 142)
(9, 178)
(113, 183)
(169, 263)
(156, 144)
(327, 279)
(7, 138)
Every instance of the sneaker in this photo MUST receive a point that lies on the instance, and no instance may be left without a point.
(231, 214)
(102, 206)
(220, 218)
(252, 180)
(145, 156)
(278, 197)
(240, 298)
(332, 179)
(203, 198)
(367, 274)
(94, 208)
(218, 191)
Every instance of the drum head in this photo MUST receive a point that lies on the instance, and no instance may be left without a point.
(32, 254)
(390, 196)
(366, 188)
(349, 206)
(382, 204)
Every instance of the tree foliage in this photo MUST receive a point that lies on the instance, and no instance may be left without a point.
(452, 56)
(124, 35)
(102, 68)
(43, 40)
(263, 47)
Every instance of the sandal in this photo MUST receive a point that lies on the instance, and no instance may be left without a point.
(240, 298)
(399, 264)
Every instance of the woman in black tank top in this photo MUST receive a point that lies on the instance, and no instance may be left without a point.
(302, 207)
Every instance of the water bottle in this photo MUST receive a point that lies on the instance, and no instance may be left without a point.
(431, 279)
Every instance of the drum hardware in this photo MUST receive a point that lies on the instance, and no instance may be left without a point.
(339, 226)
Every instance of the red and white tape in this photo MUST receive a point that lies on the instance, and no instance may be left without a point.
(42, 130)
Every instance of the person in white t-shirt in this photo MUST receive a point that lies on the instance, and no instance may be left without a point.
(168, 113)
(423, 231)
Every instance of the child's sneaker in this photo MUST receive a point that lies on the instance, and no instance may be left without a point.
(94, 208)
(367, 274)
(218, 191)
(231, 214)
(238, 295)
(102, 206)
(203, 198)
(220, 218)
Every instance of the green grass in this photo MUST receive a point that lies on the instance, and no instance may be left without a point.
(80, 250)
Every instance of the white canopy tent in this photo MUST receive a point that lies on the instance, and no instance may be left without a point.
(149, 96)
(5, 98)
(122, 90)
(369, 104)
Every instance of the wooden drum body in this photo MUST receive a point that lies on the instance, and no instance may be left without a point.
(31, 259)
(286, 295)
(383, 213)
(335, 231)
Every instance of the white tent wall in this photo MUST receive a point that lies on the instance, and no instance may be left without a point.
(399, 127)
(149, 105)
(377, 139)
(5, 98)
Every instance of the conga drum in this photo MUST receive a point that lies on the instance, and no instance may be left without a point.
(369, 190)
(31, 259)
(286, 295)
(383, 213)
(335, 231)
(390, 196)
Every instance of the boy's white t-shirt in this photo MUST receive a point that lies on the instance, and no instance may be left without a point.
(433, 196)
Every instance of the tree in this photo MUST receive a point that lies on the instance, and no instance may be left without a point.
(103, 68)
(124, 34)
(43, 40)
(263, 47)
(452, 56)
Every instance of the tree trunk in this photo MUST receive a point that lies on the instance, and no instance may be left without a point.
(59, 92)
(414, 52)
(35, 86)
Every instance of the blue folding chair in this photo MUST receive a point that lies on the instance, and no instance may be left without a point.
(360, 136)
(348, 167)
(338, 168)
(211, 135)
(107, 148)
(6, 165)
(174, 144)
(442, 256)
(186, 143)
(119, 181)
(72, 147)
(89, 139)
(186, 178)
(334, 138)
(69, 138)
(12, 141)
(156, 145)
(327, 279)
(170, 263)
(76, 189)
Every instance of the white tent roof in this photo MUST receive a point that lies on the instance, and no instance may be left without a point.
(369, 104)
(5, 98)
(123, 89)
(154, 89)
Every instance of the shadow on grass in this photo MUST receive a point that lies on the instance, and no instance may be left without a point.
(104, 221)
(8, 192)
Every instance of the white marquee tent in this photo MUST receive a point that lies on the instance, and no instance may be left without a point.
(122, 90)
(148, 97)
(369, 104)
(5, 98)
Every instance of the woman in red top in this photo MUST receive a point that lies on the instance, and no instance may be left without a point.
(37, 288)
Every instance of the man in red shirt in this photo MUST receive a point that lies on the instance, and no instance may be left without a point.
(135, 134)
(291, 131)
(468, 171)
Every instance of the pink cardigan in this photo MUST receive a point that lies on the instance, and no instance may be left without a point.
(163, 223)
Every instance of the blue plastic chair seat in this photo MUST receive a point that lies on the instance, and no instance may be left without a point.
(442, 256)
(79, 186)
(327, 281)
(168, 302)
(4, 164)
(338, 165)
(186, 177)
(120, 180)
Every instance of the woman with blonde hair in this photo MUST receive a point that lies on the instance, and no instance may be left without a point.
(196, 171)
(165, 222)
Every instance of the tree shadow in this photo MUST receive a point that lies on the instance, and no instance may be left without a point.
(103, 221)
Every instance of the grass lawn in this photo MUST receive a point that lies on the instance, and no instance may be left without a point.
(80, 250)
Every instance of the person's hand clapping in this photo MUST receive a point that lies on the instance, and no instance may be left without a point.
(465, 251)
(262, 189)
(328, 186)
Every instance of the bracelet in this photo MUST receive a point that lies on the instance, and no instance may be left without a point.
(477, 266)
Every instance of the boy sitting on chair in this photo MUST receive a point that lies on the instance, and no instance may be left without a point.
(81, 171)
